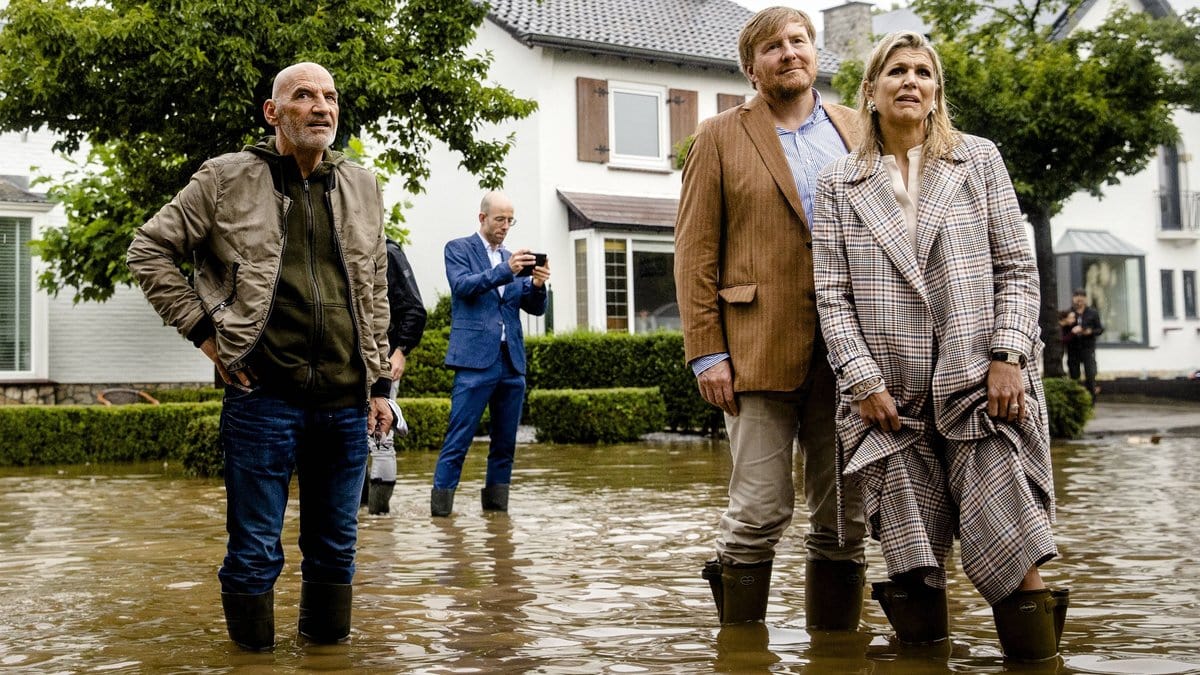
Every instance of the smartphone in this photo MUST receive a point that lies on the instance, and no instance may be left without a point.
(539, 261)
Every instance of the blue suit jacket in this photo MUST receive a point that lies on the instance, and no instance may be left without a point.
(478, 311)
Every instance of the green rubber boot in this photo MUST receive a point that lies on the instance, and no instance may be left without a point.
(1025, 625)
(917, 612)
(740, 591)
(833, 594)
(441, 502)
(1063, 598)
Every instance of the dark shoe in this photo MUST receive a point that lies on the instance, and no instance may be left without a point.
(917, 612)
(325, 611)
(494, 497)
(250, 619)
(380, 495)
(1025, 625)
(1062, 598)
(741, 595)
(833, 594)
(441, 502)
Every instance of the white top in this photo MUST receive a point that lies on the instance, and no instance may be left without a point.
(907, 196)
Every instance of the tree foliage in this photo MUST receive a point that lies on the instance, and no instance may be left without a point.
(155, 87)
(1069, 112)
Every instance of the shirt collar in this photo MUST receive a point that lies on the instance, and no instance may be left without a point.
(487, 245)
(816, 117)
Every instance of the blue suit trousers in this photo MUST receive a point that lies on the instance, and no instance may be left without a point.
(501, 388)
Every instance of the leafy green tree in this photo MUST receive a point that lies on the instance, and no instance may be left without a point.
(155, 87)
(1068, 113)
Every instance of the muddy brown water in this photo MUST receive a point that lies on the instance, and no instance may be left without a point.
(112, 569)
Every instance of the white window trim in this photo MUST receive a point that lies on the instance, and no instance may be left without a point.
(619, 161)
(39, 307)
(597, 299)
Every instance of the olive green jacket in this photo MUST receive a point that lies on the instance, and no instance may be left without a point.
(229, 221)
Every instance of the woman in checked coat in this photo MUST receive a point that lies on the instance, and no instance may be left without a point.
(927, 291)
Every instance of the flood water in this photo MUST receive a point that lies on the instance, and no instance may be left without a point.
(595, 570)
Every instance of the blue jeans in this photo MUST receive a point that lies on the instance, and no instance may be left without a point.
(502, 389)
(264, 439)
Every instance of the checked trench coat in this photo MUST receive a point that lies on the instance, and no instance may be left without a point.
(926, 321)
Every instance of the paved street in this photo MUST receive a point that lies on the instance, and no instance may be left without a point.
(1171, 417)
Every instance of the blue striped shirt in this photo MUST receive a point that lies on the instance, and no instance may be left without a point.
(807, 149)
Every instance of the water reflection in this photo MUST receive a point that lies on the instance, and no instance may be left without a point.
(113, 569)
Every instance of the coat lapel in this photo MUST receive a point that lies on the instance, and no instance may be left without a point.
(482, 262)
(940, 181)
(760, 127)
(874, 202)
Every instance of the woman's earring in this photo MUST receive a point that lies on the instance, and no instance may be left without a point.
(933, 108)
(871, 107)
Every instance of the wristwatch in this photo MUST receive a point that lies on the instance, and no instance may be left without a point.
(1009, 357)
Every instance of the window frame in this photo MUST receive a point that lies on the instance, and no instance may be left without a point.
(662, 160)
(38, 369)
(1167, 293)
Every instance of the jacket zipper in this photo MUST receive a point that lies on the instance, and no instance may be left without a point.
(232, 294)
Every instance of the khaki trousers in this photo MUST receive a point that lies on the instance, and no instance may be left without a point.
(762, 439)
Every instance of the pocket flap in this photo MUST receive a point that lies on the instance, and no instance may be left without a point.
(738, 294)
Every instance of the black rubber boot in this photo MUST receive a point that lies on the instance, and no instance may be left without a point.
(325, 611)
(250, 619)
(833, 594)
(1062, 599)
(380, 495)
(494, 497)
(441, 502)
(740, 591)
(1025, 625)
(917, 612)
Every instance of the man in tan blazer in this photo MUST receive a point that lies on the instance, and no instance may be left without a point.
(744, 278)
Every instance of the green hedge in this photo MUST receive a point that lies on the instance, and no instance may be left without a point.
(427, 420)
(1068, 405)
(202, 455)
(596, 415)
(75, 434)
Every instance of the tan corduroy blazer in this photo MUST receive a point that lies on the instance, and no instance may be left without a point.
(743, 250)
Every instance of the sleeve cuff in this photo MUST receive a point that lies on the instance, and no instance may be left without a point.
(202, 331)
(703, 363)
(382, 388)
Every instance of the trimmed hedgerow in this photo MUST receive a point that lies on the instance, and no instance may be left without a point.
(202, 455)
(1068, 405)
(427, 421)
(73, 434)
(585, 360)
(596, 415)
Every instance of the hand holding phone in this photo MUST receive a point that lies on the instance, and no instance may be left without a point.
(539, 261)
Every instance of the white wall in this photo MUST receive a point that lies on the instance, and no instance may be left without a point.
(1130, 211)
(543, 161)
(122, 340)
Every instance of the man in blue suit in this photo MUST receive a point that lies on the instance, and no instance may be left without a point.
(487, 350)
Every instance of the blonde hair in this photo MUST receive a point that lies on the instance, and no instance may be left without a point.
(765, 24)
(941, 138)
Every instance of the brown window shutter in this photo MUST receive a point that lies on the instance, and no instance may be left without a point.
(727, 101)
(591, 115)
(683, 105)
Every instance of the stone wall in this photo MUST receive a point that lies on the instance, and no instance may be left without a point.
(55, 393)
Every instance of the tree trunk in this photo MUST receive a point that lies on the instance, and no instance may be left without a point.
(1052, 359)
